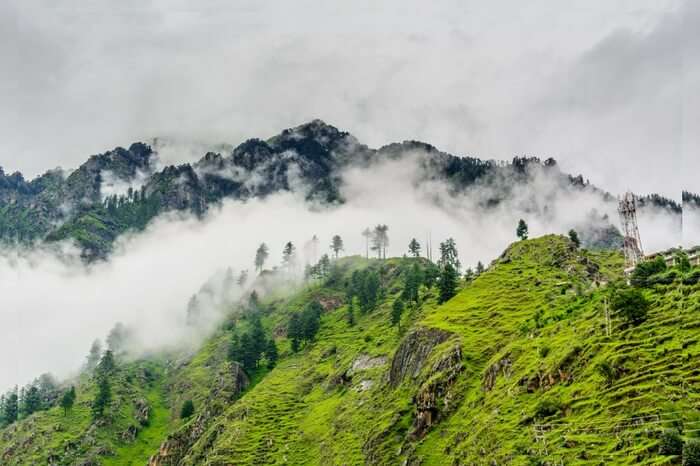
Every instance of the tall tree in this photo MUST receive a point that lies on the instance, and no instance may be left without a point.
(68, 399)
(294, 331)
(479, 268)
(413, 278)
(449, 254)
(414, 248)
(289, 256)
(396, 311)
(367, 233)
(271, 353)
(337, 245)
(448, 283)
(521, 231)
(469, 274)
(261, 256)
(380, 240)
(31, 401)
(103, 397)
(106, 364)
(573, 236)
(243, 278)
(10, 410)
(93, 357)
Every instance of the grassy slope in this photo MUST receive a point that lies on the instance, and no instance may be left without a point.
(538, 307)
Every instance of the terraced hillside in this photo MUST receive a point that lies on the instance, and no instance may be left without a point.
(532, 362)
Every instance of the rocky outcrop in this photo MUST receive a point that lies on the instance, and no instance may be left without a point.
(413, 353)
(436, 397)
(501, 367)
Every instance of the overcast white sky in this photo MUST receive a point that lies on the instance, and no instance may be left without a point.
(608, 88)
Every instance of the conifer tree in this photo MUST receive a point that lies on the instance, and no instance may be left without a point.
(521, 231)
(294, 332)
(68, 399)
(573, 236)
(271, 353)
(468, 274)
(261, 256)
(337, 245)
(93, 358)
(289, 256)
(367, 233)
(103, 397)
(479, 268)
(31, 401)
(396, 311)
(414, 248)
(449, 254)
(448, 283)
(10, 410)
(187, 409)
(106, 364)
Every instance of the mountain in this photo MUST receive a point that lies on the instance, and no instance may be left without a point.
(125, 189)
(546, 357)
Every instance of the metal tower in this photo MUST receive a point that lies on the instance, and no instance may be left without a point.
(632, 244)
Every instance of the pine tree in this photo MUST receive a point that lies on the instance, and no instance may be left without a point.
(11, 407)
(294, 332)
(289, 256)
(573, 236)
(414, 248)
(380, 240)
(68, 399)
(242, 278)
(103, 397)
(412, 281)
(261, 256)
(449, 254)
(106, 364)
(271, 353)
(396, 311)
(187, 409)
(350, 313)
(448, 283)
(337, 245)
(31, 401)
(521, 231)
(479, 268)
(93, 358)
(367, 233)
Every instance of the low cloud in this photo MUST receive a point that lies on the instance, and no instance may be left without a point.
(54, 305)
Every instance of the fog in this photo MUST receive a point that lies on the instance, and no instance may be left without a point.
(54, 306)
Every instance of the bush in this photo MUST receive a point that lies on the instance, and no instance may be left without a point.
(187, 409)
(547, 407)
(608, 372)
(544, 351)
(646, 269)
(631, 304)
(691, 453)
(670, 442)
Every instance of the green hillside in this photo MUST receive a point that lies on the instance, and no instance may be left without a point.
(520, 367)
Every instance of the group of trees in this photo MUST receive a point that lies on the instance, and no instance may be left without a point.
(303, 326)
(364, 288)
(250, 347)
(41, 394)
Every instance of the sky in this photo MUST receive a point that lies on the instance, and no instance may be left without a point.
(607, 88)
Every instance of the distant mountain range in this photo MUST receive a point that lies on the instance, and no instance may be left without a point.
(124, 189)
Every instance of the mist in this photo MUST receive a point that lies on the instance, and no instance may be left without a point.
(54, 305)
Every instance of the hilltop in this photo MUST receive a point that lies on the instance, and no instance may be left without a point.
(521, 366)
(124, 189)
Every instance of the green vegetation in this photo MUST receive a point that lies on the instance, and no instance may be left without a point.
(546, 357)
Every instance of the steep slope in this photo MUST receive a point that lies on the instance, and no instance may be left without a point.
(520, 367)
(508, 372)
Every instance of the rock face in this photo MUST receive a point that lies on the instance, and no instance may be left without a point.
(413, 353)
(436, 397)
(176, 446)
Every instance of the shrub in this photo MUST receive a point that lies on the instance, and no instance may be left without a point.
(670, 442)
(631, 304)
(187, 409)
(691, 453)
(544, 351)
(547, 407)
(608, 372)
